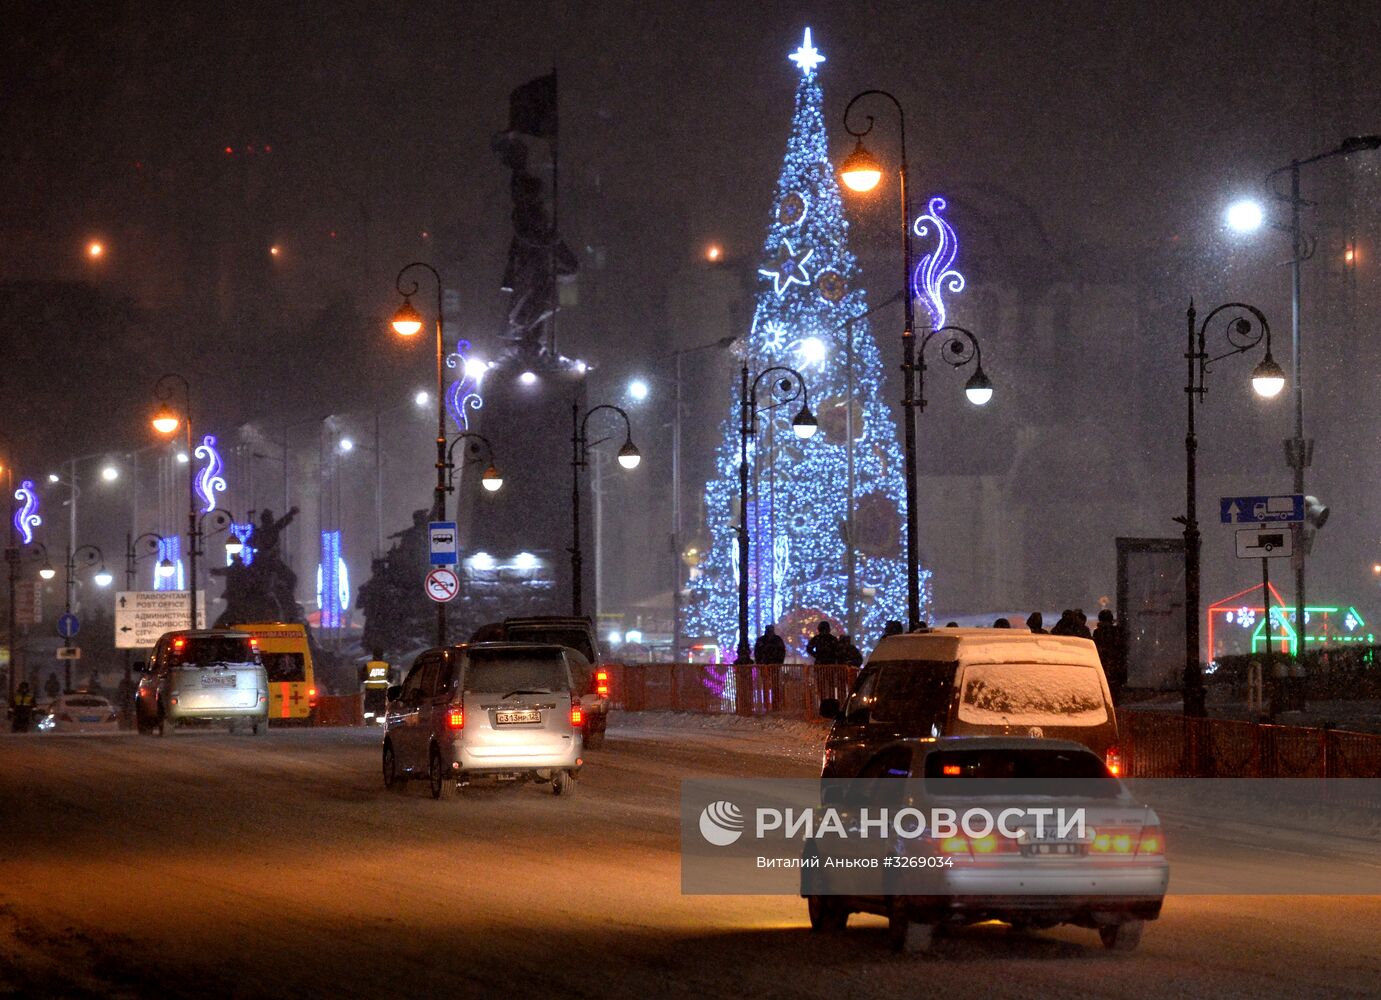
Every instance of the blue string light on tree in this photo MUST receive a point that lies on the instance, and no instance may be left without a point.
(26, 516)
(798, 501)
(332, 581)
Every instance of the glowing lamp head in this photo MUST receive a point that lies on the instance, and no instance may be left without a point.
(166, 568)
(714, 253)
(95, 249)
(860, 171)
(637, 389)
(1268, 378)
(103, 577)
(166, 421)
(979, 388)
(182, 458)
(53, 477)
(1244, 216)
(528, 378)
(109, 473)
(347, 445)
(805, 424)
(407, 321)
(813, 351)
(491, 480)
(475, 369)
(422, 398)
(233, 546)
(47, 572)
(629, 456)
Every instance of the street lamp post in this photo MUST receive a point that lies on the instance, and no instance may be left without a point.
(166, 422)
(1246, 216)
(629, 457)
(89, 555)
(861, 172)
(1245, 327)
(407, 322)
(784, 386)
(150, 543)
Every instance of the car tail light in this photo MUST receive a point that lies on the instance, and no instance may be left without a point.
(254, 644)
(602, 683)
(455, 718)
(577, 716)
(952, 769)
(1115, 841)
(311, 697)
(954, 845)
(1113, 760)
(178, 644)
(1152, 841)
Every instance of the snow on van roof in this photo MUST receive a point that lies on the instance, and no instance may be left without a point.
(985, 645)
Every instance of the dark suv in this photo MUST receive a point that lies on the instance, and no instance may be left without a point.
(574, 632)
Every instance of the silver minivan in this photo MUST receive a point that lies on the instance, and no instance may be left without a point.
(499, 710)
(206, 675)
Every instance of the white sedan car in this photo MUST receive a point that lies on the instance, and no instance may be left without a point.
(79, 712)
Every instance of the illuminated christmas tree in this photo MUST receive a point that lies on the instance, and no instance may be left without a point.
(808, 310)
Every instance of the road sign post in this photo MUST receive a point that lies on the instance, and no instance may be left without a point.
(68, 625)
(442, 584)
(443, 543)
(141, 616)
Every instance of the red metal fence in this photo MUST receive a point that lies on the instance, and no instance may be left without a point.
(1154, 744)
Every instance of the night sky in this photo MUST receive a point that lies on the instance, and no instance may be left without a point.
(1084, 145)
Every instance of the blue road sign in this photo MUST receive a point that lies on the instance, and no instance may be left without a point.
(443, 542)
(68, 625)
(1285, 509)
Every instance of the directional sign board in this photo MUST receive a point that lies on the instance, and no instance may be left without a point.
(443, 536)
(68, 625)
(141, 616)
(442, 585)
(1265, 543)
(70, 653)
(1285, 509)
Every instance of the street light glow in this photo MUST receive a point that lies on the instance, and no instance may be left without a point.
(805, 424)
(491, 480)
(182, 458)
(166, 421)
(629, 456)
(860, 172)
(528, 378)
(813, 351)
(53, 477)
(166, 568)
(47, 572)
(347, 445)
(637, 389)
(1245, 216)
(1268, 378)
(275, 250)
(407, 321)
(714, 253)
(103, 577)
(95, 249)
(234, 545)
(475, 369)
(422, 398)
(979, 388)
(110, 473)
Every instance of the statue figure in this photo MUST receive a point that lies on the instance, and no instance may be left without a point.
(537, 256)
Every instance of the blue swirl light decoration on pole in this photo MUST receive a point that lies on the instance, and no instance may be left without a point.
(209, 480)
(935, 274)
(463, 394)
(26, 518)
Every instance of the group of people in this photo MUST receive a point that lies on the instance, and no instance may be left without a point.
(824, 647)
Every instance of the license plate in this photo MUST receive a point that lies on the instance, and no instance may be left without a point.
(1041, 849)
(221, 681)
(517, 716)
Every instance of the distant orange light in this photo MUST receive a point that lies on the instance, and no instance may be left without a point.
(1349, 255)
(714, 253)
(95, 249)
(165, 421)
(275, 250)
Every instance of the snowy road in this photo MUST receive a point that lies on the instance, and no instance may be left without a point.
(212, 865)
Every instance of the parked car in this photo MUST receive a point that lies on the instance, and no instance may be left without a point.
(575, 632)
(1109, 874)
(973, 681)
(211, 675)
(79, 712)
(507, 711)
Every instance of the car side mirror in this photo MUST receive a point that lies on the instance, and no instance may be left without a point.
(394, 692)
(829, 708)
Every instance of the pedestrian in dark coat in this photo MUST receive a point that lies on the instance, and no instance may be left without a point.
(849, 652)
(1112, 652)
(1035, 622)
(823, 646)
(769, 648)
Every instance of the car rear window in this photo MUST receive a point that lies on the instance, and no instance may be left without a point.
(1012, 771)
(501, 672)
(86, 703)
(1032, 694)
(203, 651)
(285, 666)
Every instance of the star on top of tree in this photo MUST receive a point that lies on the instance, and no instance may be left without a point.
(807, 57)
